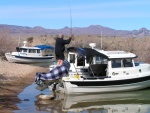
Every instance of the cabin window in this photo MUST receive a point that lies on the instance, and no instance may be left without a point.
(23, 50)
(80, 61)
(38, 51)
(116, 63)
(100, 60)
(32, 51)
(72, 58)
(127, 63)
(97, 59)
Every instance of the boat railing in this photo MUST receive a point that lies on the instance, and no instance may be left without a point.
(96, 77)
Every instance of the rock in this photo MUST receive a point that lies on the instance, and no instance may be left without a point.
(46, 97)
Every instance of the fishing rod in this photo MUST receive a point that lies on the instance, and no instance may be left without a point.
(70, 17)
(71, 30)
(71, 34)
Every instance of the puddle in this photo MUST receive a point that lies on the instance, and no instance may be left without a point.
(28, 98)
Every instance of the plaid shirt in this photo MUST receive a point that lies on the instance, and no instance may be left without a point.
(54, 74)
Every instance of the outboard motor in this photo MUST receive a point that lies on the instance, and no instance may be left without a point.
(43, 80)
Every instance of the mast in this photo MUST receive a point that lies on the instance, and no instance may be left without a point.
(19, 41)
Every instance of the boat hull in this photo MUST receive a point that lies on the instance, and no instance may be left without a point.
(28, 60)
(105, 86)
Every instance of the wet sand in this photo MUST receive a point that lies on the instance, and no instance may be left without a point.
(13, 79)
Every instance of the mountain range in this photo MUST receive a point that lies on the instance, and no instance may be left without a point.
(90, 30)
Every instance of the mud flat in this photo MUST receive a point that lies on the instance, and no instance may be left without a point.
(13, 79)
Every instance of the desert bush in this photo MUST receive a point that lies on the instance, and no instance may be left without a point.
(6, 43)
(139, 46)
(30, 39)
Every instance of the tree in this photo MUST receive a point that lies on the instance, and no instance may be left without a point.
(30, 39)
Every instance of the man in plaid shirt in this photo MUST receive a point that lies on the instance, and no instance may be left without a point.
(45, 79)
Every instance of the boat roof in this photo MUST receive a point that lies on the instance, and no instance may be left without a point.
(43, 47)
(117, 54)
(89, 52)
(40, 47)
(24, 47)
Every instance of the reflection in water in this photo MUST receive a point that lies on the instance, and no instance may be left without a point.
(30, 93)
(49, 105)
(129, 102)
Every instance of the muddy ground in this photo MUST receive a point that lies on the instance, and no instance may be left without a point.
(13, 79)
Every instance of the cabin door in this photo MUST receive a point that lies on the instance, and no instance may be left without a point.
(76, 62)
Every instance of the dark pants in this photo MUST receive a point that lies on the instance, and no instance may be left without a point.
(59, 55)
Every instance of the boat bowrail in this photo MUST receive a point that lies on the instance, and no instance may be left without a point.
(96, 77)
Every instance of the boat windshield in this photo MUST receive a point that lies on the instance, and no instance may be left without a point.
(100, 60)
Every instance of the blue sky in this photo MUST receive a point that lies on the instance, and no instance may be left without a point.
(57, 14)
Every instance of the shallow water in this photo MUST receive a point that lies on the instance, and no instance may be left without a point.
(127, 102)
(28, 98)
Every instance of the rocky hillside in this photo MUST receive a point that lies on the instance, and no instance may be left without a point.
(91, 30)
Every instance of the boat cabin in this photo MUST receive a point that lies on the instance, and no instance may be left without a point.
(29, 51)
(97, 63)
(38, 50)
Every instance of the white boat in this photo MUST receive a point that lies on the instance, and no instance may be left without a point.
(97, 71)
(29, 55)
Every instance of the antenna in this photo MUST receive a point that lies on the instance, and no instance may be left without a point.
(19, 41)
(101, 40)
